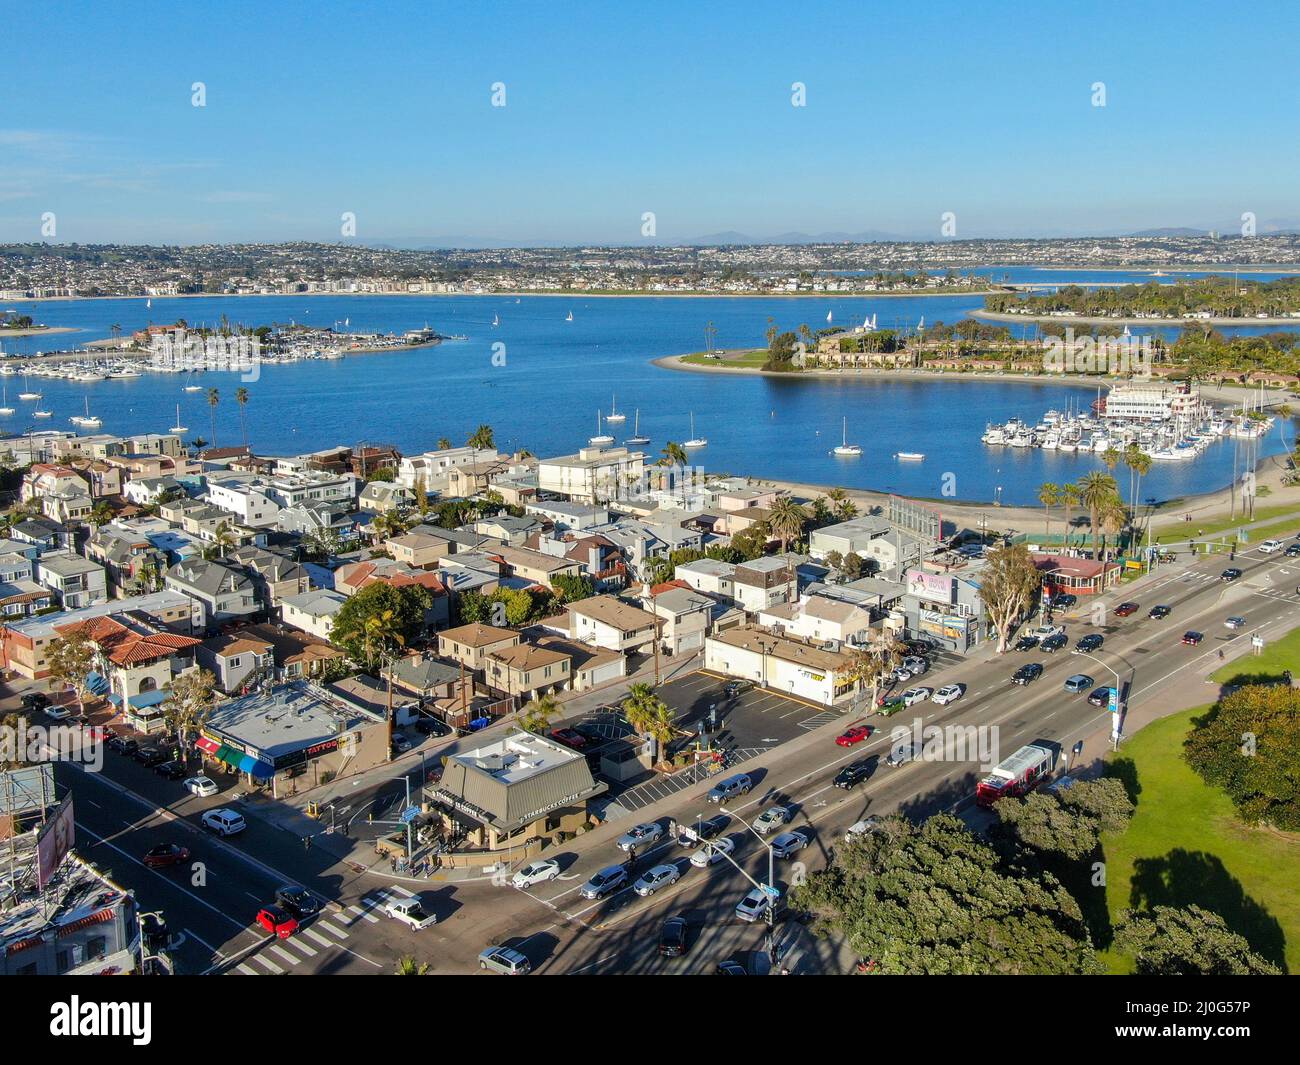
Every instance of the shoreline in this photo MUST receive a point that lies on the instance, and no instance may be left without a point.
(45, 330)
(1041, 319)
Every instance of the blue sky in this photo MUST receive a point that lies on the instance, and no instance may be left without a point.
(612, 110)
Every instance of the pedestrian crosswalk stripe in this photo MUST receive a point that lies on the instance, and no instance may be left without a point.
(246, 969)
(333, 931)
(269, 964)
(284, 955)
(316, 937)
(298, 944)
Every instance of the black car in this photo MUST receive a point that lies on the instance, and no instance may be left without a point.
(736, 687)
(1099, 696)
(706, 829)
(430, 726)
(1025, 674)
(672, 938)
(1026, 643)
(853, 773)
(1054, 643)
(1159, 612)
(150, 756)
(1064, 600)
(1090, 643)
(1230, 574)
(919, 647)
(298, 901)
(1292, 550)
(172, 770)
(122, 745)
(35, 701)
(731, 968)
(589, 732)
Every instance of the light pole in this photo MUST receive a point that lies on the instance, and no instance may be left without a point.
(145, 953)
(1119, 706)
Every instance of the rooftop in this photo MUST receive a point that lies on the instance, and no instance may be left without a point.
(286, 719)
(760, 641)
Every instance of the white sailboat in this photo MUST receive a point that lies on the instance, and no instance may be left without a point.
(42, 413)
(695, 441)
(845, 447)
(828, 316)
(910, 456)
(6, 410)
(496, 321)
(27, 392)
(602, 438)
(570, 317)
(178, 428)
(613, 417)
(87, 420)
(636, 437)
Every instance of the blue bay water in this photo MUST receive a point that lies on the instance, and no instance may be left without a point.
(558, 373)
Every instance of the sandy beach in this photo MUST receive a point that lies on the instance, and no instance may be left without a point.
(38, 331)
(1041, 319)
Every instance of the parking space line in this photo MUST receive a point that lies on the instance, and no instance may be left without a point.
(244, 968)
(332, 930)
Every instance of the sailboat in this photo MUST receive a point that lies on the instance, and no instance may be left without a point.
(845, 447)
(601, 438)
(178, 428)
(6, 409)
(27, 393)
(636, 437)
(570, 317)
(496, 321)
(828, 316)
(148, 303)
(42, 413)
(613, 417)
(87, 420)
(695, 441)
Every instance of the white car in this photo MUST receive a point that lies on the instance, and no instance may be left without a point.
(641, 836)
(916, 695)
(410, 911)
(772, 818)
(1268, 547)
(916, 665)
(223, 822)
(201, 786)
(1043, 631)
(787, 843)
(56, 712)
(536, 873)
(712, 852)
(861, 828)
(756, 903)
(658, 877)
(949, 693)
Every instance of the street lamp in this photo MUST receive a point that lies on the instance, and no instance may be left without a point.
(1119, 707)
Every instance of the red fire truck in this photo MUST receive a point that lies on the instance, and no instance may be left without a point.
(1016, 775)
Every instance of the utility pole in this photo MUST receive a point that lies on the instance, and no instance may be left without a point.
(655, 625)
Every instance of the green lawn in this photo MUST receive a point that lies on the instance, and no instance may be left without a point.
(1181, 531)
(1185, 845)
(1276, 656)
(748, 359)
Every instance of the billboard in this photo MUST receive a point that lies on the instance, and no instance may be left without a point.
(935, 587)
(54, 841)
(949, 626)
(917, 518)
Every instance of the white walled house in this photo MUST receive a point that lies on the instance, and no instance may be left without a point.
(609, 622)
(819, 619)
(791, 667)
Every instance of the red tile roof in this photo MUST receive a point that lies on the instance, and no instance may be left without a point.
(127, 646)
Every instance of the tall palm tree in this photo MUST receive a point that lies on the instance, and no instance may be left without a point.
(1113, 518)
(1139, 464)
(1069, 500)
(241, 397)
(214, 397)
(538, 713)
(649, 715)
(1049, 494)
(483, 438)
(787, 521)
(1284, 412)
(1111, 458)
(673, 455)
(223, 539)
(1095, 490)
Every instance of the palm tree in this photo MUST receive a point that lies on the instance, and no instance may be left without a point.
(214, 397)
(1284, 412)
(444, 444)
(649, 715)
(1069, 500)
(1139, 463)
(408, 966)
(223, 538)
(102, 514)
(787, 521)
(482, 439)
(845, 508)
(1113, 518)
(538, 713)
(1111, 458)
(1049, 494)
(1095, 490)
(241, 397)
(673, 455)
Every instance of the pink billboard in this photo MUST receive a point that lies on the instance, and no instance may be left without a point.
(936, 587)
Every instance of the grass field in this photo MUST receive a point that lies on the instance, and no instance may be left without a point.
(1276, 656)
(1185, 845)
(1183, 531)
(746, 359)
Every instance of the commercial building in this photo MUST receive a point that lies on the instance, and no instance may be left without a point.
(793, 667)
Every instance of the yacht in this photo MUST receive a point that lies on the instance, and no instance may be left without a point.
(994, 434)
(1024, 437)
(123, 374)
(910, 456)
(845, 448)
(193, 388)
(1067, 445)
(695, 441)
(1051, 441)
(636, 437)
(613, 417)
(602, 438)
(178, 428)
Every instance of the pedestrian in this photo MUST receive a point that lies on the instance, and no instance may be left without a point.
(1078, 748)
(306, 843)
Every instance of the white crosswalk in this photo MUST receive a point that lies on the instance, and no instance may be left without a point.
(325, 932)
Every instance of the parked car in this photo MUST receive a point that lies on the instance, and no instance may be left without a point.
(737, 687)
(537, 872)
(949, 693)
(1125, 609)
(277, 921)
(756, 903)
(916, 665)
(35, 701)
(1026, 643)
(223, 822)
(298, 901)
(919, 647)
(57, 713)
(730, 788)
(1064, 600)
(569, 737)
(1159, 612)
(787, 843)
(1099, 696)
(730, 967)
(165, 855)
(171, 770)
(712, 852)
(1235, 622)
(122, 745)
(201, 786)
(916, 695)
(1292, 550)
(672, 938)
(902, 754)
(1027, 673)
(603, 882)
(640, 836)
(410, 912)
(428, 725)
(653, 879)
(1044, 631)
(1080, 682)
(856, 734)
(1053, 643)
(862, 828)
(853, 774)
(1088, 644)
(400, 743)
(702, 830)
(772, 818)
(150, 756)
(505, 960)
(1191, 637)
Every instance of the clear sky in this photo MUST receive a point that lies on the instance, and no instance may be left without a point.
(615, 109)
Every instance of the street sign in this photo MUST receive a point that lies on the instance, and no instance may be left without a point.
(1114, 700)
(408, 815)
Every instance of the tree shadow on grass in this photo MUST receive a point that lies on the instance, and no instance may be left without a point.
(1186, 878)
(1125, 771)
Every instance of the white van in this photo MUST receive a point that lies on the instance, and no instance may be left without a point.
(223, 822)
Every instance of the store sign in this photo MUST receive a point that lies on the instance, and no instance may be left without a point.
(936, 587)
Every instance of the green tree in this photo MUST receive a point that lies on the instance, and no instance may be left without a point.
(572, 587)
(444, 444)
(751, 542)
(537, 714)
(1066, 823)
(214, 397)
(1049, 494)
(379, 618)
(1069, 500)
(408, 966)
(1008, 584)
(191, 697)
(673, 455)
(1170, 941)
(483, 438)
(935, 898)
(1096, 490)
(70, 658)
(787, 521)
(650, 716)
(241, 397)
(853, 566)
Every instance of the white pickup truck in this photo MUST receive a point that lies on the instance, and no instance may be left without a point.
(1268, 547)
(409, 911)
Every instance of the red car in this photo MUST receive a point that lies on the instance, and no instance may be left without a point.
(165, 855)
(854, 735)
(569, 737)
(1125, 609)
(277, 921)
